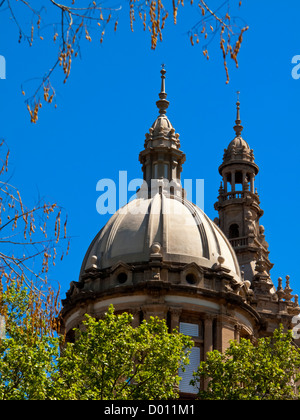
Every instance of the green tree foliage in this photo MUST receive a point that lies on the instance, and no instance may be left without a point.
(28, 351)
(109, 360)
(112, 360)
(268, 370)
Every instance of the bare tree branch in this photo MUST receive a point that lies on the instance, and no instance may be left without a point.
(29, 240)
(78, 22)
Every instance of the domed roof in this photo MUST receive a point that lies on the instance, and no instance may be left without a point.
(174, 228)
(238, 150)
(160, 223)
(161, 123)
(238, 143)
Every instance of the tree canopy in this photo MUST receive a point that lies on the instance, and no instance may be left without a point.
(28, 347)
(110, 359)
(266, 370)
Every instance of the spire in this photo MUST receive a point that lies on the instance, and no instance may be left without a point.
(162, 104)
(238, 128)
(162, 158)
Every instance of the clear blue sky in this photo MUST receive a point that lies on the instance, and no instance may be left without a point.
(108, 104)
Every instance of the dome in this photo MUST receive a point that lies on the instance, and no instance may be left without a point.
(176, 229)
(161, 123)
(238, 149)
(238, 143)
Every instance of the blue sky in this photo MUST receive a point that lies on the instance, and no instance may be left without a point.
(108, 104)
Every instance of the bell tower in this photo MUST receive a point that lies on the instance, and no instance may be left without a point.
(162, 158)
(238, 204)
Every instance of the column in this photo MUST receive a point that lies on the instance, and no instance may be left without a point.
(244, 175)
(208, 335)
(233, 181)
(175, 315)
(237, 332)
(225, 183)
(252, 183)
(148, 170)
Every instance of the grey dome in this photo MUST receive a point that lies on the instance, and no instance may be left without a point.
(178, 230)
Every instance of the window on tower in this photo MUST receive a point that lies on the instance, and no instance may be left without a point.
(234, 231)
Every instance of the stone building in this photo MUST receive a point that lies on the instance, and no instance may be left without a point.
(161, 255)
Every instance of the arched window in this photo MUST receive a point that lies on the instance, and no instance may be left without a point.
(234, 231)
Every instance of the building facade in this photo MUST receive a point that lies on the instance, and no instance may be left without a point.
(160, 255)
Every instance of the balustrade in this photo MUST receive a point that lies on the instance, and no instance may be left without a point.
(243, 241)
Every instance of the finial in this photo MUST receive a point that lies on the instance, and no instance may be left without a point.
(162, 104)
(288, 290)
(238, 128)
(280, 291)
(163, 72)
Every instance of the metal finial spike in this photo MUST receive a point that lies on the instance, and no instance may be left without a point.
(238, 114)
(238, 117)
(162, 104)
(163, 77)
(238, 128)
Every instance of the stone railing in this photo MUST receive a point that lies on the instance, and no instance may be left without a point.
(238, 195)
(232, 195)
(243, 241)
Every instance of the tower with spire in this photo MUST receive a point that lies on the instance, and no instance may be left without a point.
(162, 158)
(238, 203)
(239, 211)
